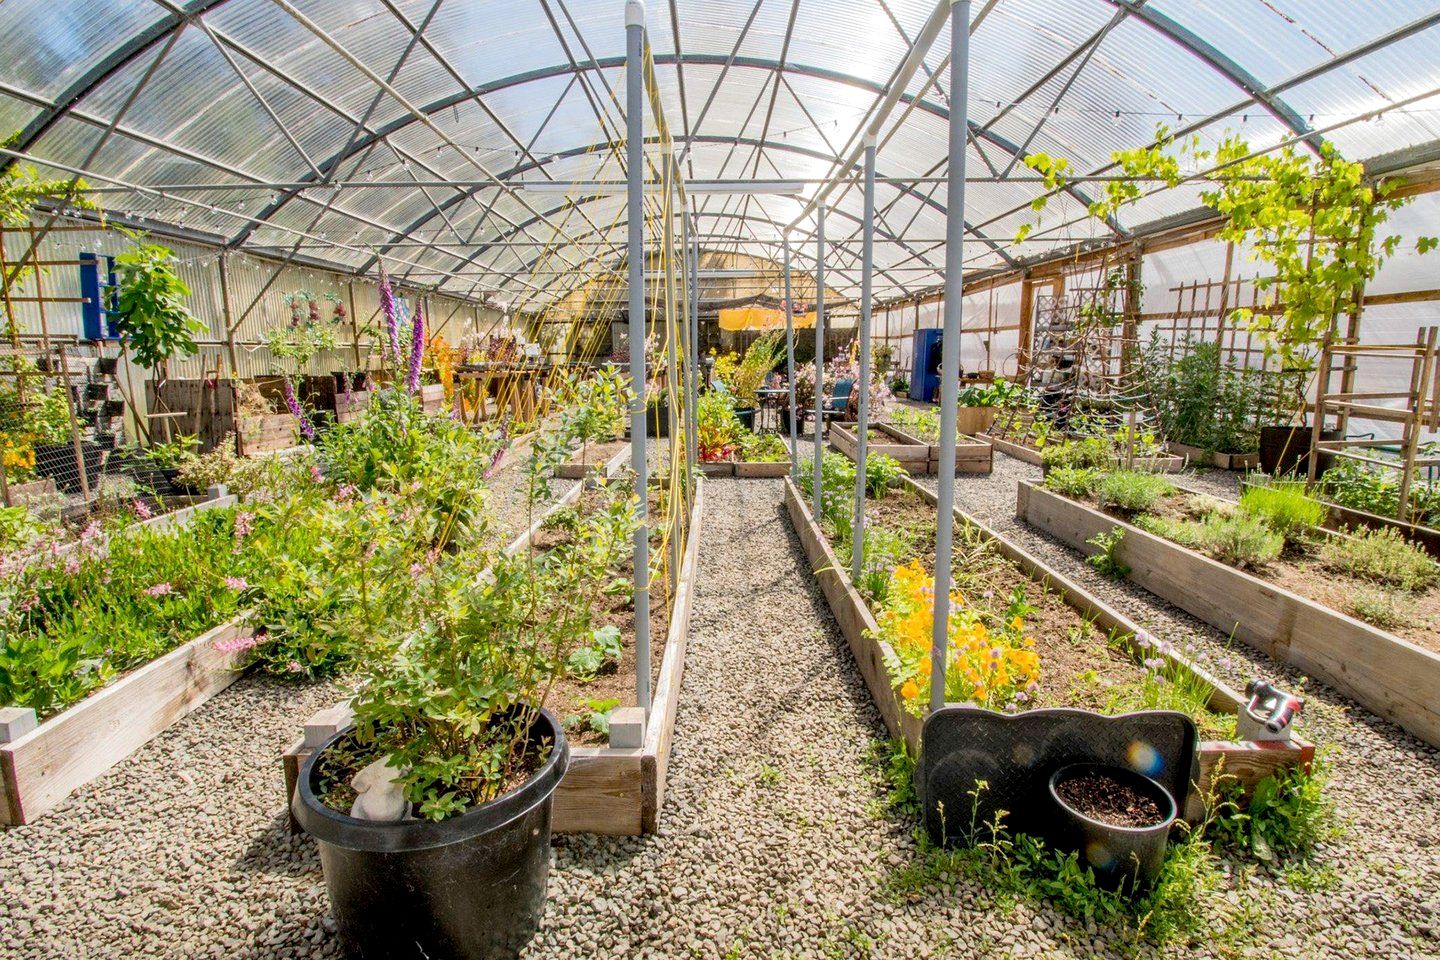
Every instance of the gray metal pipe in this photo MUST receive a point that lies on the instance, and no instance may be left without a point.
(950, 349)
(692, 320)
(862, 426)
(790, 367)
(819, 425)
(635, 168)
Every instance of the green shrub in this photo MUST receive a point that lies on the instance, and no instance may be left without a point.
(1286, 508)
(1378, 607)
(1381, 555)
(1072, 482)
(1243, 540)
(881, 473)
(1187, 533)
(1132, 491)
(1105, 561)
(763, 448)
(1287, 814)
(1092, 453)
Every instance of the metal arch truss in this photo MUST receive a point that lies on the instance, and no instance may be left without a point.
(177, 15)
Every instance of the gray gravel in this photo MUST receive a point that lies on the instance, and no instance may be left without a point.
(771, 844)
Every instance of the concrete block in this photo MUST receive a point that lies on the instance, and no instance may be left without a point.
(627, 728)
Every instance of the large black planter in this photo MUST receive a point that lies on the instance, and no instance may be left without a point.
(1285, 450)
(468, 888)
(1128, 858)
(746, 418)
(657, 419)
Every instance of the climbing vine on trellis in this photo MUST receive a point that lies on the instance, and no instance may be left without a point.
(1313, 220)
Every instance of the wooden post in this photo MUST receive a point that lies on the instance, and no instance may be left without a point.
(354, 323)
(225, 314)
(1027, 323)
(74, 423)
(1322, 388)
(1420, 379)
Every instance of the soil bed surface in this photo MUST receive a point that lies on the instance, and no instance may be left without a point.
(1109, 801)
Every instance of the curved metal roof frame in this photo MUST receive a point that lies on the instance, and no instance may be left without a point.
(365, 137)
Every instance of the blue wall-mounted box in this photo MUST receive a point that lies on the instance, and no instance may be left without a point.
(98, 287)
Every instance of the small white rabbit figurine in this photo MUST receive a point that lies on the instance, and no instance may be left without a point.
(379, 793)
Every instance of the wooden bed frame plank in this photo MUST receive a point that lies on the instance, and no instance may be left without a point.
(1386, 674)
(72, 748)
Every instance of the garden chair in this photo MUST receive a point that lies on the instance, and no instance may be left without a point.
(837, 404)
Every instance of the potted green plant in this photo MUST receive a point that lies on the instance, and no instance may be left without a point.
(154, 323)
(744, 377)
(432, 811)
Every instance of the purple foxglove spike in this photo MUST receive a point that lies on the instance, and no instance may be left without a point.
(417, 350)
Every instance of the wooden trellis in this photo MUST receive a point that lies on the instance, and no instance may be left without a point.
(1419, 412)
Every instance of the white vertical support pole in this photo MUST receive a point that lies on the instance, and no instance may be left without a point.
(790, 367)
(862, 427)
(692, 352)
(819, 425)
(635, 169)
(950, 349)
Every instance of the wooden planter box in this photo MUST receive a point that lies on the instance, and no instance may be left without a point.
(973, 420)
(277, 431)
(67, 751)
(39, 769)
(1221, 461)
(756, 470)
(1384, 673)
(22, 493)
(610, 790)
(1032, 455)
(432, 397)
(1248, 762)
(915, 455)
(352, 406)
(575, 470)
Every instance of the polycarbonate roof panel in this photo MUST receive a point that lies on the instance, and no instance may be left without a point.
(528, 91)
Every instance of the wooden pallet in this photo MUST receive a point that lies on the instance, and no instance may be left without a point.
(1386, 674)
(1247, 762)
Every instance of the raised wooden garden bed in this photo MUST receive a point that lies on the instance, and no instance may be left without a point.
(432, 397)
(972, 455)
(616, 789)
(1197, 457)
(747, 469)
(275, 431)
(352, 406)
(1031, 454)
(609, 456)
(1344, 518)
(1248, 762)
(1384, 673)
(974, 420)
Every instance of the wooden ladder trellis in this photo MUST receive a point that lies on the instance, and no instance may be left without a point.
(1420, 413)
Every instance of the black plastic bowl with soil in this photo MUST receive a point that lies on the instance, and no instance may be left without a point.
(1110, 801)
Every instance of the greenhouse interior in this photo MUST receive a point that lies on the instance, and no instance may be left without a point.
(490, 479)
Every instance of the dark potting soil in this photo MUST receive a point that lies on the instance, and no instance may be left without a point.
(1110, 801)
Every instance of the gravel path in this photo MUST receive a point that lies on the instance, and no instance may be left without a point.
(771, 843)
(1380, 893)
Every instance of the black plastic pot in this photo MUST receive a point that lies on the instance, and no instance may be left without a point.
(746, 418)
(96, 391)
(657, 419)
(1128, 858)
(1285, 450)
(471, 887)
(106, 366)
